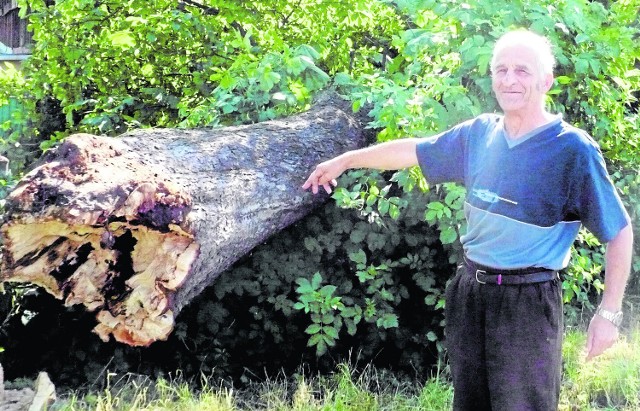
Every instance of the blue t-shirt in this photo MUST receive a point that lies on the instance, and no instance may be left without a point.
(527, 198)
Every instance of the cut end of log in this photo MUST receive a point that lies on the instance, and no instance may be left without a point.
(106, 237)
(127, 273)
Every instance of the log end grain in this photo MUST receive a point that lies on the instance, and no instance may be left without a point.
(92, 228)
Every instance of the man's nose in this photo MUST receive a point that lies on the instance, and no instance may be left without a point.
(509, 77)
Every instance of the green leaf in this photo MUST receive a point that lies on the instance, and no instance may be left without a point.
(351, 327)
(430, 299)
(327, 290)
(269, 79)
(228, 81)
(582, 66)
(394, 211)
(388, 321)
(312, 244)
(329, 340)
(328, 319)
(564, 80)
(357, 236)
(147, 70)
(316, 280)
(430, 215)
(359, 257)
(342, 79)
(315, 339)
(595, 66)
(305, 286)
(321, 347)
(330, 331)
(123, 39)
(383, 206)
(313, 329)
(306, 50)
(448, 235)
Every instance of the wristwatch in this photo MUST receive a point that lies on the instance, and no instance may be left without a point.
(615, 318)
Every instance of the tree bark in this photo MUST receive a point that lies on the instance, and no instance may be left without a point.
(135, 227)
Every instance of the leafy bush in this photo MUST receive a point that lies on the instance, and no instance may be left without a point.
(112, 66)
(378, 295)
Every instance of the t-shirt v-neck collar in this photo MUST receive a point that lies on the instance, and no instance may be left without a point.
(515, 142)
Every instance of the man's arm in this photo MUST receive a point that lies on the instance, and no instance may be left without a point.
(602, 334)
(392, 155)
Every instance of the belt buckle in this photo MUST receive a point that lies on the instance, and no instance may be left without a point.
(481, 272)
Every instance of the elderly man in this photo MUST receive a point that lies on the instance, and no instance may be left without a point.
(532, 181)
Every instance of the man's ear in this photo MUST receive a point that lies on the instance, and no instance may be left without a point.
(547, 82)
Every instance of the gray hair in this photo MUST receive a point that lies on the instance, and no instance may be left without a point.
(539, 44)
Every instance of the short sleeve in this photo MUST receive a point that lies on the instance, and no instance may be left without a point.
(597, 203)
(441, 157)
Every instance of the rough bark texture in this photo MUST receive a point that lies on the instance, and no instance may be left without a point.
(135, 227)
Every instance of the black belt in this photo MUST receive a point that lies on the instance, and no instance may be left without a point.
(489, 275)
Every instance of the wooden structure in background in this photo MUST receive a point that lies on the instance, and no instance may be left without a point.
(15, 39)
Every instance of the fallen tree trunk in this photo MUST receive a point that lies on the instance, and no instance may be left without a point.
(135, 227)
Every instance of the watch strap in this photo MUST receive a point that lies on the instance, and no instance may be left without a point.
(614, 317)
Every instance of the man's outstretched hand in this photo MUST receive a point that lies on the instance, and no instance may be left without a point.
(324, 175)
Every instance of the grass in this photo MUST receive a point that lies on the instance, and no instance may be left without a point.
(610, 382)
(370, 389)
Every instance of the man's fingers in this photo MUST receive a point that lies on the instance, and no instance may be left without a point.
(594, 351)
(601, 335)
(327, 186)
(589, 347)
(589, 354)
(310, 184)
(594, 345)
(316, 180)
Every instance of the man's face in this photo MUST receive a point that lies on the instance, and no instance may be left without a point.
(518, 82)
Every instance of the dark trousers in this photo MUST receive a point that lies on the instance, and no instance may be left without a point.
(504, 344)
